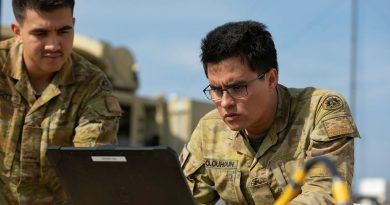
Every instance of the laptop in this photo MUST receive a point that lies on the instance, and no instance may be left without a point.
(115, 176)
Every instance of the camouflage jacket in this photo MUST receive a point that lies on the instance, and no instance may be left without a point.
(220, 163)
(75, 109)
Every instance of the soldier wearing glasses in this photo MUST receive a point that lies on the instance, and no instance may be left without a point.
(245, 151)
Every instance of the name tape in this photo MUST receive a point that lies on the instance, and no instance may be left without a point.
(220, 163)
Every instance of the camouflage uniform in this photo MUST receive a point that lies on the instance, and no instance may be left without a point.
(220, 163)
(76, 109)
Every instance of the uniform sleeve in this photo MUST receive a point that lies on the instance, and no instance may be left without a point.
(191, 158)
(99, 119)
(333, 136)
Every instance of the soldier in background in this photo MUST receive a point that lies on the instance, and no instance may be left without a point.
(49, 95)
(245, 151)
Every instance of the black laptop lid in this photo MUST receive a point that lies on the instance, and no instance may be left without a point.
(114, 175)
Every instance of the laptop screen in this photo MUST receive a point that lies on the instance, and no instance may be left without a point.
(115, 175)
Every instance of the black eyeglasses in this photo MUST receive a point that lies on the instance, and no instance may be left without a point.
(235, 91)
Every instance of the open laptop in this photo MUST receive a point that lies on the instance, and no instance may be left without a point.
(115, 176)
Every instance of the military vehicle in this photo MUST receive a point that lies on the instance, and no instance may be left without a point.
(145, 121)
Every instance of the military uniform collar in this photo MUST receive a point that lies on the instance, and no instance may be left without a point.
(280, 123)
(13, 65)
(283, 109)
(281, 120)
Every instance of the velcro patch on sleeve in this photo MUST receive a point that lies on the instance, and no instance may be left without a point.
(113, 104)
(184, 156)
(338, 126)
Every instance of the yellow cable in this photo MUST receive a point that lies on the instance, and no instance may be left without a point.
(340, 192)
(339, 188)
(290, 192)
(299, 176)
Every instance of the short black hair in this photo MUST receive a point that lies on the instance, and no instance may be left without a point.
(249, 40)
(20, 6)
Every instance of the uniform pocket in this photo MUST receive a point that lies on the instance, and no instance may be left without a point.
(61, 135)
(31, 144)
(6, 113)
(260, 191)
(226, 184)
(280, 176)
(280, 173)
(59, 127)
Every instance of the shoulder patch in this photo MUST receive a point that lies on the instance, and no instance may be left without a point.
(113, 104)
(184, 156)
(338, 126)
(333, 102)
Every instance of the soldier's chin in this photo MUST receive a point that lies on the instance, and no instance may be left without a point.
(234, 127)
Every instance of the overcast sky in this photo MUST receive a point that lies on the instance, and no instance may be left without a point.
(312, 39)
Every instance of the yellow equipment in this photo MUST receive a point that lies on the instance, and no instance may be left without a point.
(339, 188)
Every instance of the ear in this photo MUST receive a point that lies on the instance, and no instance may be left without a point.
(16, 29)
(273, 77)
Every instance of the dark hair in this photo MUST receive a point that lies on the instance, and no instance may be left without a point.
(249, 40)
(20, 6)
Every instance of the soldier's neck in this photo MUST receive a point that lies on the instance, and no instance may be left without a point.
(40, 82)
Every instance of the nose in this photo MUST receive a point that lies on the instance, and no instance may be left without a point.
(52, 44)
(227, 100)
